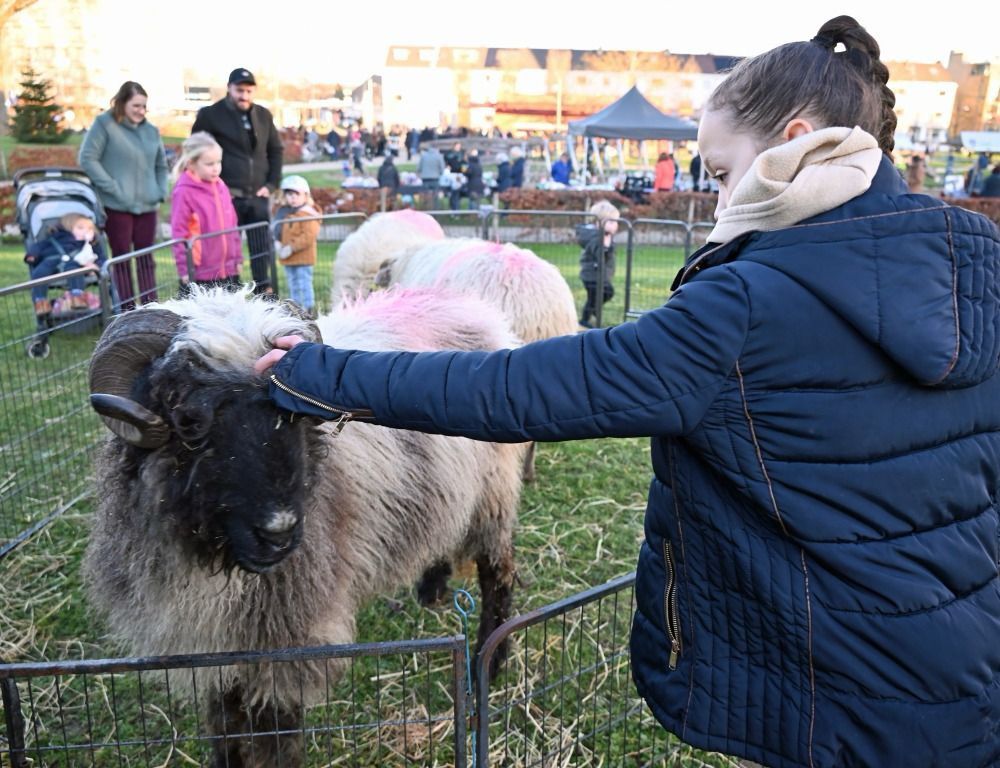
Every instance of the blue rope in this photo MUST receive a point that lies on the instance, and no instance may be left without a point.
(465, 611)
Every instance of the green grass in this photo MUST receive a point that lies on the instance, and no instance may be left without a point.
(580, 525)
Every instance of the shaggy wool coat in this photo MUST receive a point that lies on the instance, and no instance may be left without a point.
(818, 584)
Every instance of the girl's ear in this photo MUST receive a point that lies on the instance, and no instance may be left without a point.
(797, 126)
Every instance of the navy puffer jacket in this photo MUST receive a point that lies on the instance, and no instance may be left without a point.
(819, 581)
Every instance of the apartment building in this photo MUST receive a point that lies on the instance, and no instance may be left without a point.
(532, 89)
(925, 98)
(977, 102)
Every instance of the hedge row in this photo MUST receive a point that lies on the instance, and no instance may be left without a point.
(683, 206)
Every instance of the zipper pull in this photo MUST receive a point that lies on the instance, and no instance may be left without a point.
(675, 649)
(339, 425)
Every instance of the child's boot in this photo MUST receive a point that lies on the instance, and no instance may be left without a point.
(43, 307)
(78, 301)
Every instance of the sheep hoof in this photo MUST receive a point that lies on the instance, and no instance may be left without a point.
(433, 585)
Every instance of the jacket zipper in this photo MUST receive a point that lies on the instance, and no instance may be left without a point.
(343, 415)
(670, 614)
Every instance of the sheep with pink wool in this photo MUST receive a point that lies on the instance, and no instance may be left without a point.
(382, 236)
(530, 292)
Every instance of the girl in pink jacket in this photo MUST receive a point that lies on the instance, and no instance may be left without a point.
(200, 205)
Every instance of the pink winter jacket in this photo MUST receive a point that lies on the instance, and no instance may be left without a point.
(198, 208)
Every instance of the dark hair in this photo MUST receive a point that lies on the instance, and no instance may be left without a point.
(129, 89)
(838, 88)
(663, 156)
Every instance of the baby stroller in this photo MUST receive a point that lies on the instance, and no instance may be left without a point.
(42, 197)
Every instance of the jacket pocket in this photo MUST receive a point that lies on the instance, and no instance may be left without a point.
(671, 616)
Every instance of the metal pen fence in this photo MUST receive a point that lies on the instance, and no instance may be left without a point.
(395, 703)
(47, 428)
(563, 695)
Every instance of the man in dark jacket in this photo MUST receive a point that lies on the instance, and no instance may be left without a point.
(251, 163)
(474, 183)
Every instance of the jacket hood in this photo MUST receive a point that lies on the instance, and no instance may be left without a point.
(914, 276)
(194, 184)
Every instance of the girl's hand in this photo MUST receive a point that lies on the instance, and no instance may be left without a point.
(282, 345)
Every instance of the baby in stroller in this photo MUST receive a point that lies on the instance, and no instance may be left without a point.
(72, 244)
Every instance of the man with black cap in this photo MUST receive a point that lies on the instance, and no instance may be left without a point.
(251, 163)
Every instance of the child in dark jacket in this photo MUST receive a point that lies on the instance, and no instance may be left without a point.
(598, 247)
(72, 244)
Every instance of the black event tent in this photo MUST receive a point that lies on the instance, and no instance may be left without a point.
(633, 117)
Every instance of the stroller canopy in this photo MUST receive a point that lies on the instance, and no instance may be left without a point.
(42, 200)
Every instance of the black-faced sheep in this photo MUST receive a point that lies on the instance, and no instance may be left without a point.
(223, 524)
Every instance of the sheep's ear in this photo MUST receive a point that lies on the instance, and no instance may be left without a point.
(383, 278)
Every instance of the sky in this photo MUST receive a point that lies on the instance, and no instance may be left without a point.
(346, 42)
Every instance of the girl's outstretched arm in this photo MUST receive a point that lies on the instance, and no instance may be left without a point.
(654, 376)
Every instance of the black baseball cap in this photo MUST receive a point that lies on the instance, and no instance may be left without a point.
(240, 75)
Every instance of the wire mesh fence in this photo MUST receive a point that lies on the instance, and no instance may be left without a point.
(47, 428)
(563, 695)
(382, 704)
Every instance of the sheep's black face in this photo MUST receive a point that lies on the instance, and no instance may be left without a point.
(241, 472)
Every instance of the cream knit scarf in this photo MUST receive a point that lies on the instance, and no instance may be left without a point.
(798, 179)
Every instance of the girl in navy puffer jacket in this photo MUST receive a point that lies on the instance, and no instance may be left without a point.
(819, 584)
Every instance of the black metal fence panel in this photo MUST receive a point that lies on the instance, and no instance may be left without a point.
(47, 428)
(563, 694)
(383, 704)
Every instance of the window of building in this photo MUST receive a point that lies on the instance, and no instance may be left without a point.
(427, 54)
(531, 82)
(400, 54)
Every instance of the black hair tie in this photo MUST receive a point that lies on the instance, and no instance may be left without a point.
(824, 41)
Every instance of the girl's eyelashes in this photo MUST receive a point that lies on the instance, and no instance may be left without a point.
(720, 177)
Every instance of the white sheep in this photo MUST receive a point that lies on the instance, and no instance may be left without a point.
(531, 292)
(383, 235)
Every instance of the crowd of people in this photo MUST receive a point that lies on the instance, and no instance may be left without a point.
(230, 171)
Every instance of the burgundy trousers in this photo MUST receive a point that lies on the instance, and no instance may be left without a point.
(129, 232)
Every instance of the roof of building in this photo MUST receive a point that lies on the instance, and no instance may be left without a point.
(543, 58)
(917, 71)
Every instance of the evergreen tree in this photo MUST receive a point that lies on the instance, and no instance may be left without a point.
(36, 115)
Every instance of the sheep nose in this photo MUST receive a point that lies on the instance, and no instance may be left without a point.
(278, 530)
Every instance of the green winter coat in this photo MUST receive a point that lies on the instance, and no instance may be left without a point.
(126, 163)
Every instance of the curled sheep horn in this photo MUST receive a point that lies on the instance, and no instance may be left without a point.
(129, 344)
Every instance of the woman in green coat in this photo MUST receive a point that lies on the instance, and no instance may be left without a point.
(123, 155)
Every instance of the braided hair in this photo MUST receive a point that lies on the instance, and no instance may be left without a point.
(813, 79)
